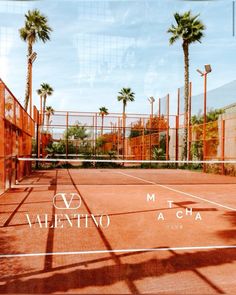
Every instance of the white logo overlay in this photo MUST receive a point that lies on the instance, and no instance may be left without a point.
(71, 202)
(67, 219)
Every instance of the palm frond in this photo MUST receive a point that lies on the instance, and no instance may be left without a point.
(125, 95)
(189, 28)
(45, 89)
(103, 111)
(36, 27)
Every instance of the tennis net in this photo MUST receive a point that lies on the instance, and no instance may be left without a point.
(96, 171)
(227, 167)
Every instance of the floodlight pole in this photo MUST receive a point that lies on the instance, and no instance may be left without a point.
(204, 75)
(205, 108)
(204, 119)
(30, 92)
(31, 58)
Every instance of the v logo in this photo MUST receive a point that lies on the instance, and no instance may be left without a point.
(73, 201)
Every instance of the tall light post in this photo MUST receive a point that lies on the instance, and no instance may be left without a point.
(151, 100)
(32, 58)
(204, 75)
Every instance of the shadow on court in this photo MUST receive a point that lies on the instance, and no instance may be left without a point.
(229, 234)
(134, 271)
(108, 275)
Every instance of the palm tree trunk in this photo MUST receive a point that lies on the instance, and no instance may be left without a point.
(44, 107)
(123, 141)
(186, 99)
(48, 121)
(27, 88)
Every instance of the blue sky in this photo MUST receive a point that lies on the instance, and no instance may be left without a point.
(98, 47)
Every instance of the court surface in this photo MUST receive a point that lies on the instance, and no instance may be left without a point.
(150, 245)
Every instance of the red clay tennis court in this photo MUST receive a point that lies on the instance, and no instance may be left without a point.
(154, 242)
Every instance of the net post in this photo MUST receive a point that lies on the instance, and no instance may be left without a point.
(222, 145)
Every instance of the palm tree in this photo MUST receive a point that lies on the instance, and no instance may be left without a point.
(45, 91)
(49, 112)
(35, 29)
(125, 95)
(189, 29)
(103, 111)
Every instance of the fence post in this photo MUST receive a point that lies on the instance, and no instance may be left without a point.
(177, 128)
(150, 139)
(222, 145)
(177, 138)
(36, 121)
(96, 133)
(93, 138)
(159, 121)
(123, 136)
(67, 122)
(143, 149)
(2, 138)
(118, 138)
(168, 128)
(189, 121)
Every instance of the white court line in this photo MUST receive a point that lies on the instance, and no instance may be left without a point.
(180, 192)
(132, 250)
(116, 251)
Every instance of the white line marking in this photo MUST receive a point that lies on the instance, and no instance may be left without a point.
(117, 251)
(180, 192)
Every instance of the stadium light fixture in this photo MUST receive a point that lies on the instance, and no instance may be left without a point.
(200, 72)
(33, 57)
(208, 69)
(151, 99)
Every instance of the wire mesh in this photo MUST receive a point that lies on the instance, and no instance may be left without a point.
(93, 134)
(138, 137)
(146, 137)
(16, 132)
